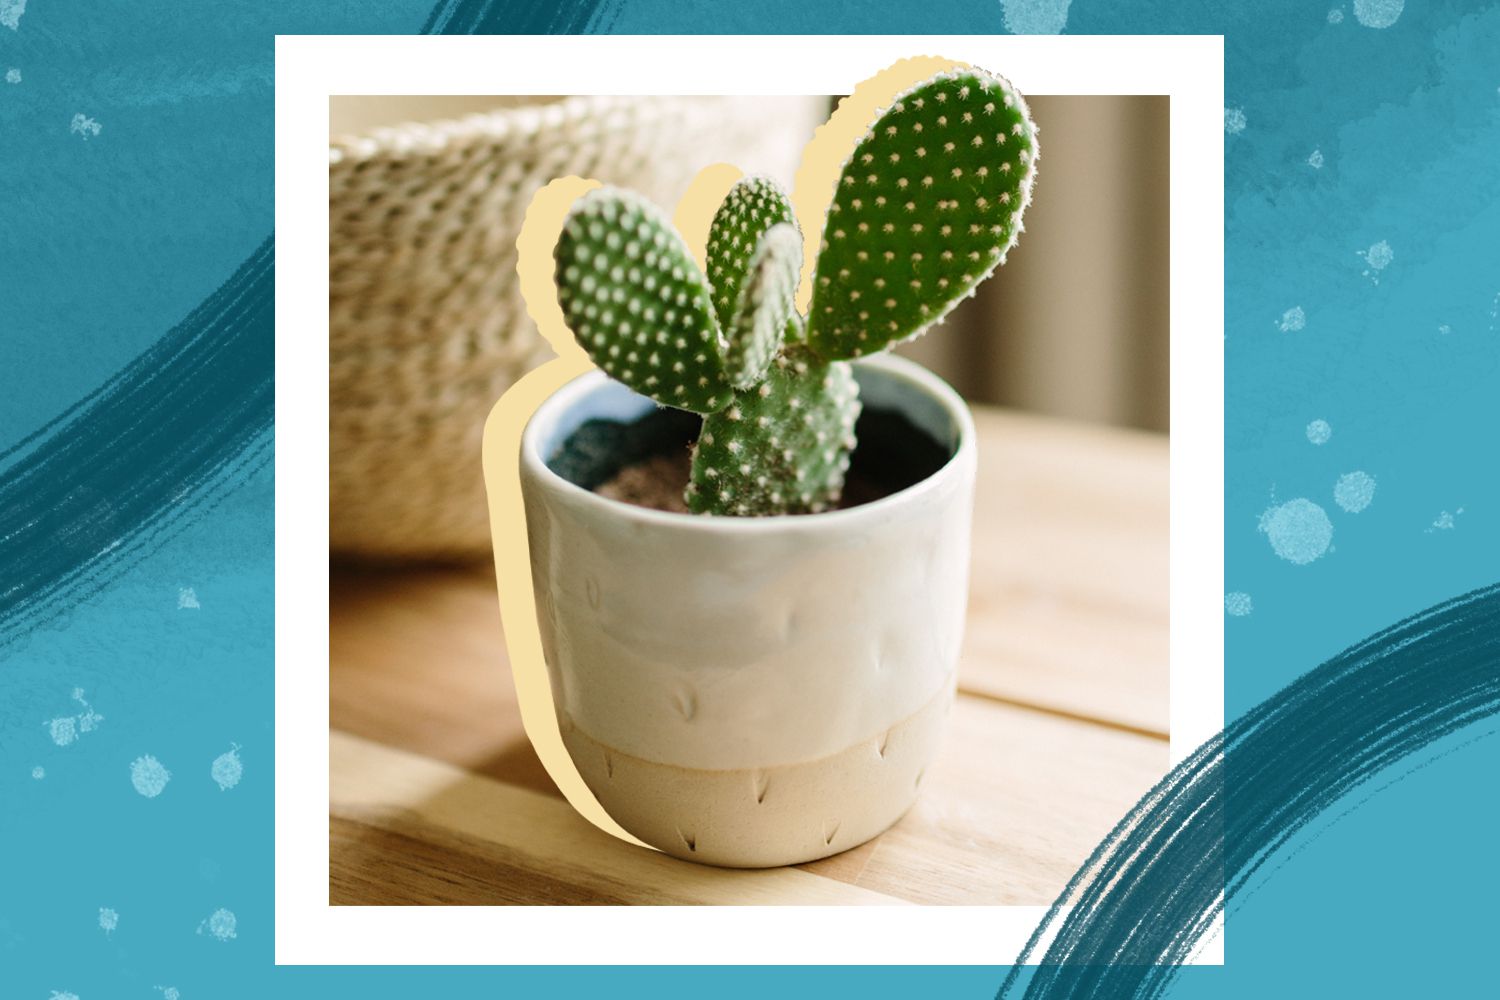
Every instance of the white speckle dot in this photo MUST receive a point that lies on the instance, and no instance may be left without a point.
(1292, 320)
(149, 776)
(220, 924)
(63, 995)
(186, 598)
(1238, 604)
(1318, 432)
(1379, 256)
(1378, 13)
(63, 730)
(169, 993)
(1035, 17)
(227, 768)
(10, 16)
(84, 125)
(13, 75)
(1336, 16)
(1445, 521)
(1354, 491)
(108, 919)
(1299, 530)
(39, 772)
(1234, 121)
(1445, 329)
(1316, 159)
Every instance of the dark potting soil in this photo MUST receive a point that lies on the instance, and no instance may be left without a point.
(646, 461)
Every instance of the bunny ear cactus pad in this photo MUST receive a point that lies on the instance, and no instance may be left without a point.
(633, 296)
(751, 208)
(766, 306)
(781, 447)
(926, 208)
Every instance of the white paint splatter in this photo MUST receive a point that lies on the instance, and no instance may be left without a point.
(1445, 521)
(64, 730)
(1445, 329)
(1238, 604)
(220, 924)
(85, 126)
(169, 993)
(1299, 530)
(1378, 258)
(13, 75)
(149, 776)
(1292, 320)
(1318, 432)
(1354, 491)
(187, 598)
(1035, 17)
(1336, 16)
(88, 719)
(64, 995)
(10, 13)
(1234, 120)
(108, 920)
(1378, 13)
(39, 772)
(227, 768)
(1316, 159)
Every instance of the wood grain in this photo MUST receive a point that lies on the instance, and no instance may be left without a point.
(437, 796)
(1068, 601)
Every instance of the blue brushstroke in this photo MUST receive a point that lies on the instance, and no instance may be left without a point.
(122, 467)
(1150, 890)
(518, 17)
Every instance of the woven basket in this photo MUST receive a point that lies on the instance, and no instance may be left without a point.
(426, 323)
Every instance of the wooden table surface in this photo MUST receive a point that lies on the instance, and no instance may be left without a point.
(1061, 720)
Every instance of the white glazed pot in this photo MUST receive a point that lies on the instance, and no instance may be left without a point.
(752, 691)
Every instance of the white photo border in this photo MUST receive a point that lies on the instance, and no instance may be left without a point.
(310, 69)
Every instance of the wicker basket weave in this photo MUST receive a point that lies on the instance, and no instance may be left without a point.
(426, 323)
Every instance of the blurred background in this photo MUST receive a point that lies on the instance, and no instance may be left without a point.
(427, 327)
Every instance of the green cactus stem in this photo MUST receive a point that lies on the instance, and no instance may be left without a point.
(782, 446)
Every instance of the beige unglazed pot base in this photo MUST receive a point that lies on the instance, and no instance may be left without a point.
(756, 818)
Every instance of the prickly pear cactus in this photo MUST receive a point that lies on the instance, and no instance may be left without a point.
(927, 207)
(635, 299)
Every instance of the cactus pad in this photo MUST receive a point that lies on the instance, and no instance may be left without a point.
(752, 207)
(633, 296)
(782, 447)
(766, 306)
(927, 206)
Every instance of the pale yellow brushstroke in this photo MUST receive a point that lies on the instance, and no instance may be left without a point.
(695, 212)
(540, 231)
(822, 161)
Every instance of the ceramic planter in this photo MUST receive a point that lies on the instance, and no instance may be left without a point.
(752, 691)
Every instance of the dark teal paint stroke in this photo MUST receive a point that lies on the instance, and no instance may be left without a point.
(1158, 881)
(517, 17)
(134, 455)
(120, 470)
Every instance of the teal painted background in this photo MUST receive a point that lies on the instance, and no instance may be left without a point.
(1362, 289)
